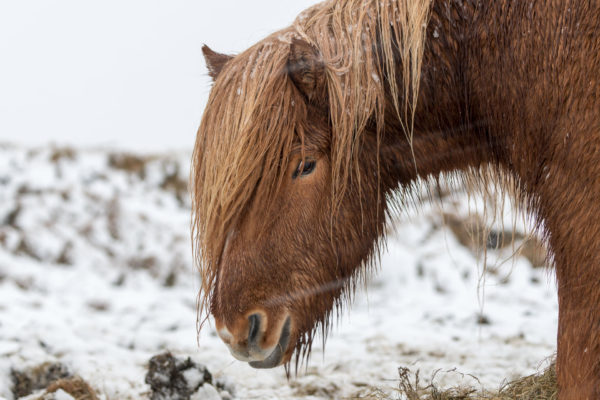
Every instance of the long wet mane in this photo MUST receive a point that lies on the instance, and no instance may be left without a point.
(255, 114)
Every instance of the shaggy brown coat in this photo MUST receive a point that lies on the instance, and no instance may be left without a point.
(386, 95)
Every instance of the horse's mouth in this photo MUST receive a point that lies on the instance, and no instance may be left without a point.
(276, 357)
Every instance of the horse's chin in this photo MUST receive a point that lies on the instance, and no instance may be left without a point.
(275, 359)
(281, 354)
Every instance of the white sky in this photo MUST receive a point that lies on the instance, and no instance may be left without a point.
(124, 73)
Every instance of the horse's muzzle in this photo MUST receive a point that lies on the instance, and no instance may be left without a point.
(253, 344)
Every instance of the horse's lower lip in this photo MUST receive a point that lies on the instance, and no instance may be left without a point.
(274, 359)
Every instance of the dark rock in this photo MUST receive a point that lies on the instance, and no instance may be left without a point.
(483, 320)
(11, 218)
(39, 377)
(172, 378)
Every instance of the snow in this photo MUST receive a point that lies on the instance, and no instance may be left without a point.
(193, 377)
(206, 392)
(106, 281)
(62, 395)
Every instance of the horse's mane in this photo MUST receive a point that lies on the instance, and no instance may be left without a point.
(255, 114)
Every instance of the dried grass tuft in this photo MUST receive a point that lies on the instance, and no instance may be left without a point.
(75, 386)
(539, 386)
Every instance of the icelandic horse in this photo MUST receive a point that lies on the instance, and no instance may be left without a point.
(311, 135)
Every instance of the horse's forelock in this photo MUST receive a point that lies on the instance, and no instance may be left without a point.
(244, 139)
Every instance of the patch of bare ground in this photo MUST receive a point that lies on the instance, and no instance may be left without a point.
(317, 389)
(472, 233)
(26, 381)
(129, 162)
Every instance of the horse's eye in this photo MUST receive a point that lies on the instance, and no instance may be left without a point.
(304, 168)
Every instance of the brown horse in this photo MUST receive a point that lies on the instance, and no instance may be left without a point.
(308, 134)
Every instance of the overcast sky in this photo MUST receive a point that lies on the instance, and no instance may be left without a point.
(123, 73)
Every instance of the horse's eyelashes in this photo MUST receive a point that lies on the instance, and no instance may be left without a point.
(305, 167)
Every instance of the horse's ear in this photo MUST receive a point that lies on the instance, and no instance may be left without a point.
(214, 61)
(306, 69)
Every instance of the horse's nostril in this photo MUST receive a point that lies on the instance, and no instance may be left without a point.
(254, 328)
(275, 358)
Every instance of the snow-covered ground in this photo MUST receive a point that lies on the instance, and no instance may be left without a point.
(96, 273)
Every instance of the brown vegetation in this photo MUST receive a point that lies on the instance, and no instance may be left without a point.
(541, 386)
(75, 386)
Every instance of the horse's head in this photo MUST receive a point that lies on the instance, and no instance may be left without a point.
(292, 169)
(279, 245)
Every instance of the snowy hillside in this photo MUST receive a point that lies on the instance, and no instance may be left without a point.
(96, 276)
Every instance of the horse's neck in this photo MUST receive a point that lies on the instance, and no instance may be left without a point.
(489, 84)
